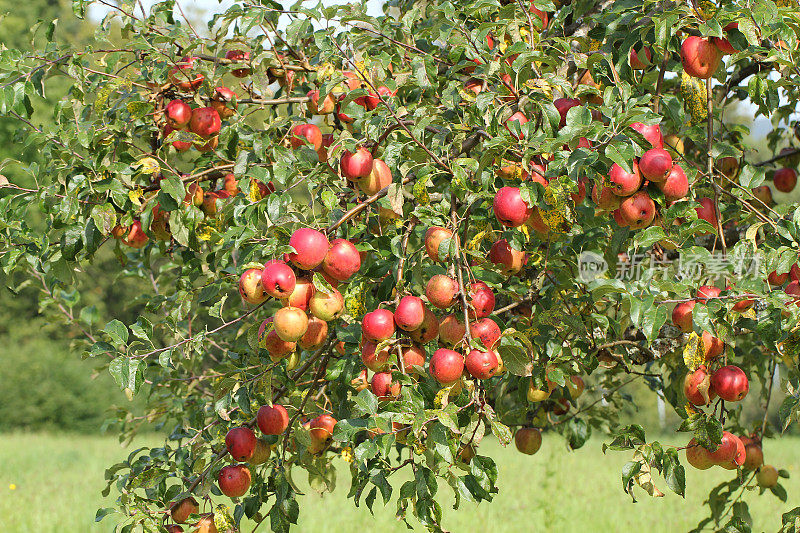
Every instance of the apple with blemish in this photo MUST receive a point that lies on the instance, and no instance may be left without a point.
(700, 57)
(676, 186)
(622, 182)
(250, 287)
(441, 291)
(433, 238)
(278, 279)
(326, 306)
(451, 330)
(234, 480)
(205, 122)
(486, 330)
(697, 387)
(481, 300)
(605, 198)
(528, 440)
(428, 330)
(638, 211)
(383, 387)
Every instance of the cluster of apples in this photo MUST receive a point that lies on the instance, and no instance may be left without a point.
(303, 319)
(625, 194)
(789, 281)
(181, 511)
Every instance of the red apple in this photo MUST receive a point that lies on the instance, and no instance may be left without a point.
(433, 238)
(224, 102)
(563, 105)
(650, 133)
(328, 104)
(481, 299)
(624, 183)
(356, 165)
(181, 74)
(519, 118)
(290, 323)
(272, 420)
(528, 440)
(378, 325)
(724, 44)
(342, 260)
(383, 387)
(706, 292)
(205, 122)
(234, 480)
(441, 291)
(409, 313)
(310, 246)
(639, 60)
(638, 211)
(301, 295)
(413, 355)
(481, 365)
(446, 366)
(700, 57)
(730, 383)
(241, 56)
(763, 193)
(303, 133)
(428, 330)
(315, 335)
(697, 387)
(181, 510)
(378, 178)
(136, 237)
(510, 260)
(676, 186)
(178, 114)
(706, 211)
(180, 146)
(713, 346)
(509, 207)
(451, 330)
(682, 316)
(278, 279)
(486, 330)
(785, 179)
(656, 164)
(322, 427)
(273, 344)
(250, 287)
(727, 449)
(241, 443)
(698, 456)
(373, 359)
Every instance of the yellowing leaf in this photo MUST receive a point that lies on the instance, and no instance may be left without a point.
(693, 355)
(147, 165)
(135, 196)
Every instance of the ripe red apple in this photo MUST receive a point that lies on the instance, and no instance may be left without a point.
(528, 440)
(640, 60)
(785, 179)
(562, 106)
(700, 57)
(136, 237)
(250, 287)
(290, 323)
(224, 101)
(682, 316)
(241, 443)
(234, 480)
(181, 74)
(793, 290)
(638, 211)
(446, 366)
(181, 510)
(433, 238)
(274, 345)
(326, 306)
(373, 359)
(356, 165)
(754, 456)
(311, 247)
(763, 193)
(441, 291)
(605, 198)
(174, 528)
(698, 456)
(706, 211)
(724, 44)
(486, 330)
(481, 365)
(767, 476)
(619, 219)
(178, 114)
(378, 179)
(712, 346)
(697, 387)
(342, 260)
(272, 420)
(413, 355)
(706, 292)
(301, 295)
(520, 118)
(509, 207)
(738, 458)
(451, 330)
(303, 133)
(676, 186)
(650, 133)
(205, 122)
(322, 427)
(428, 330)
(624, 183)
(278, 279)
(656, 164)
(315, 335)
(726, 452)
(328, 104)
(179, 145)
(241, 56)
(730, 383)
(383, 387)
(481, 299)
(409, 313)
(578, 197)
(378, 325)
(510, 260)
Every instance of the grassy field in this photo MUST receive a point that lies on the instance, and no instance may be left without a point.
(58, 479)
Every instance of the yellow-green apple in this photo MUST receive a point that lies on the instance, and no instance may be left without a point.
(326, 305)
(605, 198)
(767, 476)
(378, 178)
(290, 323)
(261, 453)
(250, 287)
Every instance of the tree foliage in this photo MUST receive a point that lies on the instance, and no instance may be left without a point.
(477, 108)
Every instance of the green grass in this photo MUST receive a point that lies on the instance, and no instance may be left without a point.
(58, 481)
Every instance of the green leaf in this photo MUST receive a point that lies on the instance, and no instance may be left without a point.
(126, 372)
(117, 331)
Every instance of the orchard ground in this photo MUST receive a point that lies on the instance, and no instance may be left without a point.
(58, 480)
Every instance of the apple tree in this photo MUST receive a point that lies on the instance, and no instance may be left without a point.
(386, 238)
